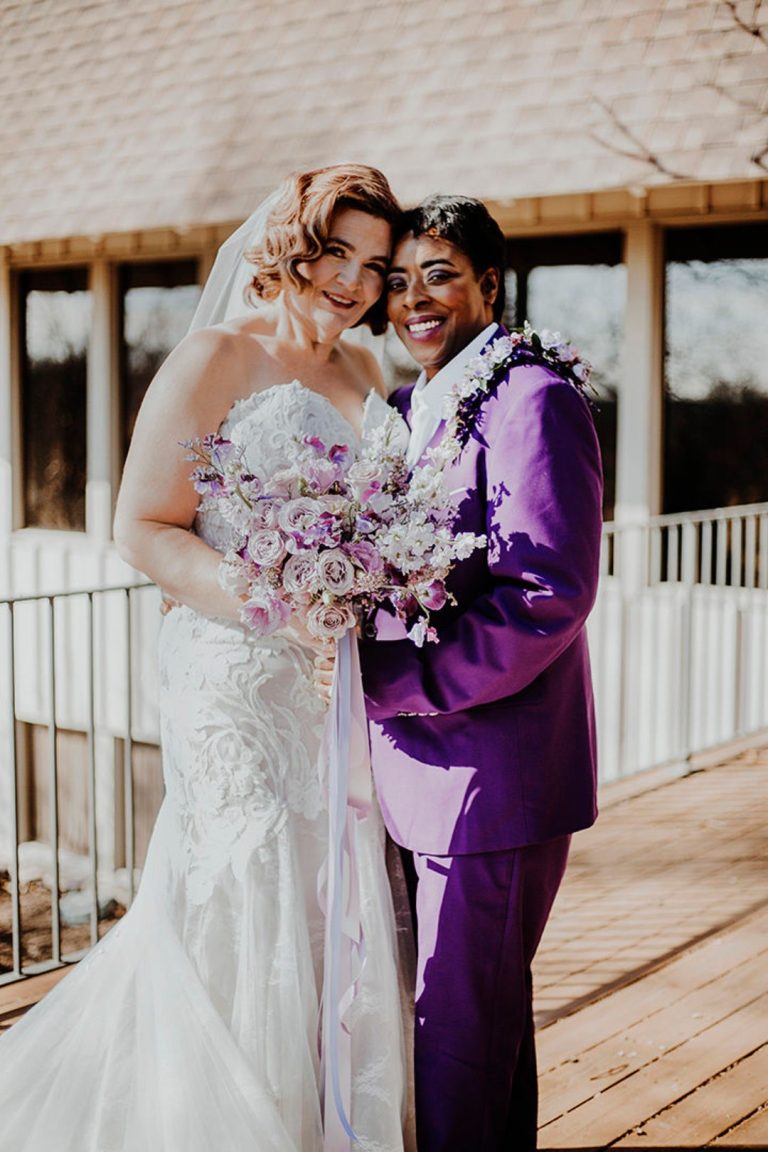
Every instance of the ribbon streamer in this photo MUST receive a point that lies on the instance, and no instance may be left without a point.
(348, 782)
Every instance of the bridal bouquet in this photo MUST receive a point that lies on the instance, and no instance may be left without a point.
(334, 533)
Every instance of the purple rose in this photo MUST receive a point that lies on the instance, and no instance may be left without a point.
(434, 595)
(310, 522)
(364, 554)
(321, 474)
(338, 453)
(298, 518)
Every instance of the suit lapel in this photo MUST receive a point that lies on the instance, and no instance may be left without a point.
(437, 434)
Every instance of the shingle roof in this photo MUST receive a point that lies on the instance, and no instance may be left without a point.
(118, 116)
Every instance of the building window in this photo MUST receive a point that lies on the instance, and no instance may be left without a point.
(157, 303)
(55, 316)
(576, 285)
(716, 367)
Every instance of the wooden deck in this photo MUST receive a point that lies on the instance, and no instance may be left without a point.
(652, 978)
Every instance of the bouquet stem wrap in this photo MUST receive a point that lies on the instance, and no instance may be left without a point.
(347, 772)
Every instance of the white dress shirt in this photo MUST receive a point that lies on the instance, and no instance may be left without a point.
(428, 397)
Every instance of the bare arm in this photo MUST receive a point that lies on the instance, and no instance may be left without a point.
(156, 506)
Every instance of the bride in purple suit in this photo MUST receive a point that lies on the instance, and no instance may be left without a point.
(483, 745)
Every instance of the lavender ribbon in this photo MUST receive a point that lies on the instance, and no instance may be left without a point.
(348, 781)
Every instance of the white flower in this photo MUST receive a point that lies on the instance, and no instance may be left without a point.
(465, 543)
(581, 370)
(480, 368)
(232, 575)
(418, 633)
(550, 339)
(500, 350)
(468, 386)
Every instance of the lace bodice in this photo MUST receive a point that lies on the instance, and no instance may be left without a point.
(265, 424)
(245, 704)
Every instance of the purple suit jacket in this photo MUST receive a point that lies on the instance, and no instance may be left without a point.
(486, 741)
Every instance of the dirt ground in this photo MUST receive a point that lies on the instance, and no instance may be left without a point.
(36, 925)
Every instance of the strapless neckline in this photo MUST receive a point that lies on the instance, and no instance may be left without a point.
(244, 401)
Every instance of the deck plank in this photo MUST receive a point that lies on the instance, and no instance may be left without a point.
(657, 1032)
(599, 1021)
(630, 1103)
(711, 1109)
(751, 1133)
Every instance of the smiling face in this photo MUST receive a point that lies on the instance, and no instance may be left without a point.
(348, 278)
(436, 300)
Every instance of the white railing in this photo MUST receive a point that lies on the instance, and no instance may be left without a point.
(679, 640)
(77, 697)
(679, 636)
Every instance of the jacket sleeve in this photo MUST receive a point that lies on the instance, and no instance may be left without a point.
(543, 494)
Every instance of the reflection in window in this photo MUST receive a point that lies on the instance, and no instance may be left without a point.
(716, 368)
(576, 285)
(55, 311)
(158, 301)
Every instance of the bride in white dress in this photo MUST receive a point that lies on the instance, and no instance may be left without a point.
(196, 1024)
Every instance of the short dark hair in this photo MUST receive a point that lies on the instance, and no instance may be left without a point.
(465, 223)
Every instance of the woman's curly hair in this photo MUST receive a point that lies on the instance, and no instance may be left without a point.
(298, 227)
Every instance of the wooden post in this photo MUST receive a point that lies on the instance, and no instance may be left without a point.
(639, 435)
(102, 390)
(8, 421)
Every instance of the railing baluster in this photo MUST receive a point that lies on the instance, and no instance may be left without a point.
(762, 580)
(13, 766)
(750, 551)
(721, 560)
(91, 729)
(53, 786)
(654, 575)
(673, 547)
(130, 836)
(705, 572)
(736, 565)
(688, 559)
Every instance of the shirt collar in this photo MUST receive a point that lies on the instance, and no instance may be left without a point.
(431, 394)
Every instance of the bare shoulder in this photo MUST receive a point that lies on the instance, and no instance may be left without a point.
(197, 385)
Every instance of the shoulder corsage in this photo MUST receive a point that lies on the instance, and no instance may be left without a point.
(485, 372)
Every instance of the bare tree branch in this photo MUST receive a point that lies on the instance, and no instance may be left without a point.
(761, 158)
(747, 105)
(752, 27)
(635, 149)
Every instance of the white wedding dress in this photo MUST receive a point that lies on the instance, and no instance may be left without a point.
(193, 1026)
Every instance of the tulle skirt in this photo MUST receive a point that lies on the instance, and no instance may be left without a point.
(196, 1023)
